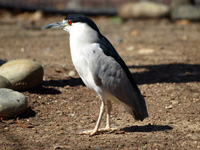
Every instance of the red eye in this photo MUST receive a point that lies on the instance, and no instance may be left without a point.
(69, 22)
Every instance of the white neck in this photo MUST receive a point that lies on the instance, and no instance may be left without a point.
(81, 34)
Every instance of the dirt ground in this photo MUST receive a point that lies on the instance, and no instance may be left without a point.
(164, 58)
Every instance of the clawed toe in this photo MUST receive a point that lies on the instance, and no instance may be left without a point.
(87, 132)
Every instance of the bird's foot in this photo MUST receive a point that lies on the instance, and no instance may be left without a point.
(93, 132)
(87, 132)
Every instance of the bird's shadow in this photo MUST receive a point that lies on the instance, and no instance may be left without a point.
(167, 73)
(61, 83)
(47, 87)
(147, 128)
(44, 90)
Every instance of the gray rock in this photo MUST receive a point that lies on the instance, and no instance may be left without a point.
(176, 3)
(4, 83)
(12, 103)
(23, 74)
(189, 12)
(144, 9)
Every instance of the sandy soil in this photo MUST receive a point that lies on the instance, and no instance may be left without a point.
(164, 58)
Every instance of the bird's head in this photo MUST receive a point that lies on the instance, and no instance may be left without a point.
(76, 24)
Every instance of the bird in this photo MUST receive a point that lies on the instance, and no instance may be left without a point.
(101, 69)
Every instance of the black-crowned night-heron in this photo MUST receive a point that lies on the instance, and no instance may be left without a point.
(101, 69)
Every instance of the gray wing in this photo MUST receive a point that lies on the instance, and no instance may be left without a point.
(107, 72)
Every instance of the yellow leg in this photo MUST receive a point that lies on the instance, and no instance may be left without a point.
(94, 131)
(107, 127)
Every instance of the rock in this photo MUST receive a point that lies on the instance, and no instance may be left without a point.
(144, 9)
(176, 3)
(12, 103)
(189, 12)
(36, 16)
(4, 83)
(125, 10)
(23, 74)
(72, 73)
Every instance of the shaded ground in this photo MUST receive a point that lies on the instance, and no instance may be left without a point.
(164, 58)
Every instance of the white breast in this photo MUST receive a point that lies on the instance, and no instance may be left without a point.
(79, 54)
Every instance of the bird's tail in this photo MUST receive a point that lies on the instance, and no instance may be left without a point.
(139, 113)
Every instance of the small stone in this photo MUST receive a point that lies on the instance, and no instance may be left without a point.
(174, 102)
(134, 33)
(12, 103)
(145, 51)
(22, 49)
(169, 107)
(130, 48)
(4, 83)
(72, 115)
(22, 73)
(6, 128)
(184, 38)
(59, 113)
(58, 147)
(72, 73)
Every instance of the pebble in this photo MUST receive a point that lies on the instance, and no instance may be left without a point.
(130, 48)
(23, 74)
(12, 103)
(72, 73)
(134, 33)
(174, 102)
(6, 128)
(169, 107)
(4, 83)
(145, 51)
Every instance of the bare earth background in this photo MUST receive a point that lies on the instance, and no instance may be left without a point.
(164, 58)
